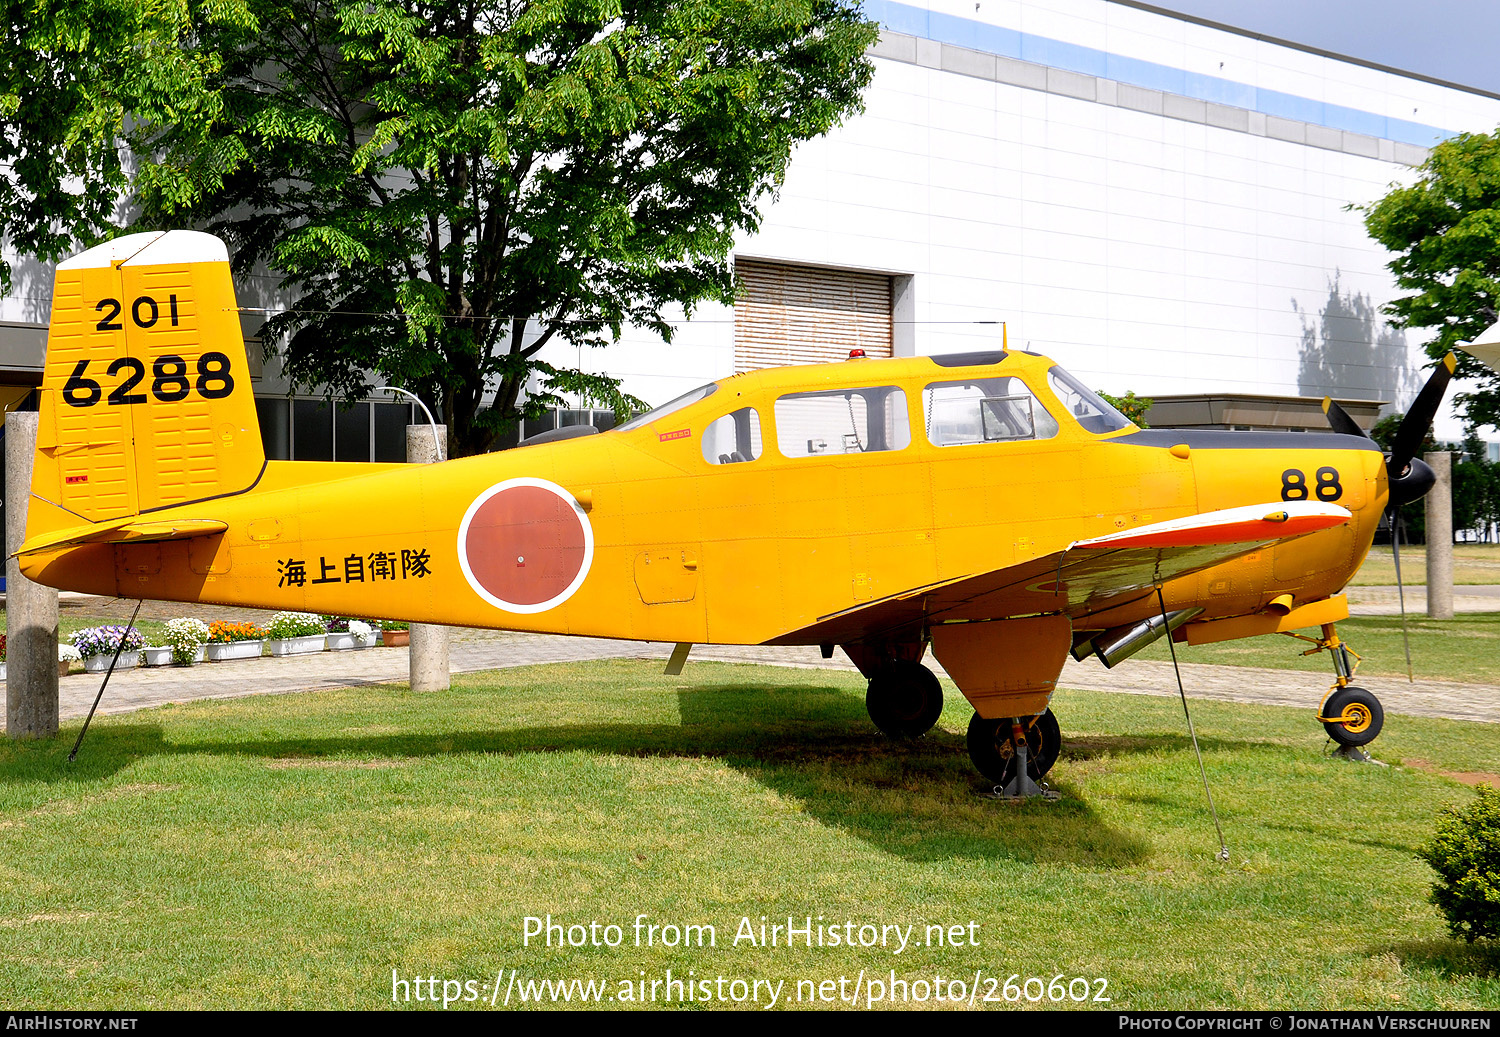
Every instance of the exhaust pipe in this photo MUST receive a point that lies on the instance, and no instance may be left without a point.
(1117, 645)
(1281, 605)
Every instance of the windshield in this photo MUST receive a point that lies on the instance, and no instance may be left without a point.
(703, 392)
(1085, 405)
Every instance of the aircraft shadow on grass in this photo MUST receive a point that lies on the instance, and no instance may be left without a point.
(919, 800)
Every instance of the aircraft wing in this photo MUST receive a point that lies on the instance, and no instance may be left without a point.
(1086, 577)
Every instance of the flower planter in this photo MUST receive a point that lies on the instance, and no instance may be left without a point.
(163, 656)
(2, 671)
(100, 663)
(297, 645)
(340, 642)
(395, 638)
(369, 640)
(62, 667)
(218, 653)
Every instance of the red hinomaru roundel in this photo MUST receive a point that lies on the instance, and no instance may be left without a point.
(525, 545)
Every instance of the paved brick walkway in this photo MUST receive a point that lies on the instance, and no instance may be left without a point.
(483, 650)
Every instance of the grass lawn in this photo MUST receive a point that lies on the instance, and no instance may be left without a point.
(292, 851)
(1465, 648)
(1472, 563)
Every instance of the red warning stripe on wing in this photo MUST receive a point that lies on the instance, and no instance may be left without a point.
(1245, 525)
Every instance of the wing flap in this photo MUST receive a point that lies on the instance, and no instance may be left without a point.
(1087, 577)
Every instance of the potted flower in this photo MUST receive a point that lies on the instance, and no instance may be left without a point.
(2, 657)
(345, 633)
(186, 637)
(234, 641)
(337, 629)
(67, 655)
(97, 646)
(394, 633)
(366, 634)
(294, 633)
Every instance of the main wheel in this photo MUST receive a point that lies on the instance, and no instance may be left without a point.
(1355, 716)
(905, 700)
(993, 749)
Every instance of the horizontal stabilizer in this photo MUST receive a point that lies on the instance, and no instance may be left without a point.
(125, 533)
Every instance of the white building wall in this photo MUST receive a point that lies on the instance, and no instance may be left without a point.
(1181, 228)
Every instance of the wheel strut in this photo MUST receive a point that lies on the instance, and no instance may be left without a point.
(1351, 715)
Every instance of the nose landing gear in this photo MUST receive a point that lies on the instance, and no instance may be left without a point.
(1351, 715)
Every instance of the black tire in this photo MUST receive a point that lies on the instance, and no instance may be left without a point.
(905, 700)
(1366, 716)
(994, 752)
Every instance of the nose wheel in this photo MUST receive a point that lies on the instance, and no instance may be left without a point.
(904, 699)
(1351, 715)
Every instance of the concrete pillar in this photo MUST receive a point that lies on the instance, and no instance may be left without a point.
(428, 654)
(30, 608)
(1440, 537)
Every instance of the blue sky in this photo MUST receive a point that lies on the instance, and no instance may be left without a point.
(1453, 40)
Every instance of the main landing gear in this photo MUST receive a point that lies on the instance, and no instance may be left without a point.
(997, 748)
(905, 699)
(1351, 715)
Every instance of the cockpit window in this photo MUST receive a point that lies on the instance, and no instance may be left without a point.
(703, 392)
(984, 410)
(842, 421)
(733, 438)
(1085, 405)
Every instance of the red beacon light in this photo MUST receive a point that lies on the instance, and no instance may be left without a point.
(856, 354)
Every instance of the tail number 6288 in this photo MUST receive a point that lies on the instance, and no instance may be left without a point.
(170, 382)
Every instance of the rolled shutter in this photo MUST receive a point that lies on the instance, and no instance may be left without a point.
(787, 314)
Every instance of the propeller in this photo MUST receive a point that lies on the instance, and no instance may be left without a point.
(1408, 476)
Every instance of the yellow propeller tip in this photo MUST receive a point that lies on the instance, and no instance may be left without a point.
(1450, 361)
(1327, 402)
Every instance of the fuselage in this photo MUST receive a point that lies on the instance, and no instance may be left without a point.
(776, 498)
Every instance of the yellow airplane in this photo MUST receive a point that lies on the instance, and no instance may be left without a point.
(986, 505)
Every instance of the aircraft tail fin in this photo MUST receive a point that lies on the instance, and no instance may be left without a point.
(146, 399)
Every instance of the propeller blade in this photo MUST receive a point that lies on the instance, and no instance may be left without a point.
(1396, 526)
(1419, 419)
(1339, 419)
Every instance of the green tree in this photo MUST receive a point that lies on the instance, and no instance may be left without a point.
(69, 73)
(1132, 406)
(447, 187)
(1445, 231)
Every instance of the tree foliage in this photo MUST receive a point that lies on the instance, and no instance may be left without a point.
(447, 187)
(1445, 231)
(71, 73)
(1132, 406)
